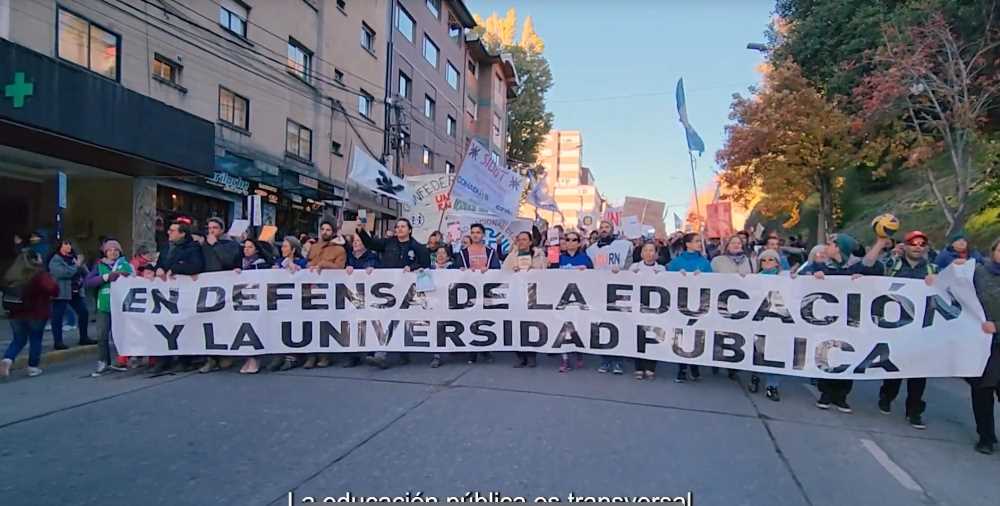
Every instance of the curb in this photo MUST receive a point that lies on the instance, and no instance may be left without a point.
(58, 356)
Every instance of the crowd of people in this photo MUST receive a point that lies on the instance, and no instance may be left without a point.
(39, 290)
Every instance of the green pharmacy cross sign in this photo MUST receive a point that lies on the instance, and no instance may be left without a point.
(19, 90)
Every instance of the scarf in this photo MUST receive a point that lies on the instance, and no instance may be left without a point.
(738, 258)
(249, 261)
(992, 267)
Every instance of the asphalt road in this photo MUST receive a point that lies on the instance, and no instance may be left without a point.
(227, 439)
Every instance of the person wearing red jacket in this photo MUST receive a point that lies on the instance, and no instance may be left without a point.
(28, 296)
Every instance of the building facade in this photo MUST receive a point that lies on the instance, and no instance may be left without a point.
(572, 185)
(491, 82)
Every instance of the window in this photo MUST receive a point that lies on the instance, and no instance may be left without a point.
(472, 67)
(342, 3)
(429, 107)
(298, 141)
(451, 126)
(335, 148)
(405, 23)
(367, 38)
(496, 126)
(166, 70)
(451, 74)
(495, 156)
(88, 45)
(365, 102)
(234, 109)
(233, 17)
(338, 75)
(430, 51)
(299, 60)
(428, 158)
(405, 85)
(473, 107)
(435, 7)
(449, 168)
(454, 28)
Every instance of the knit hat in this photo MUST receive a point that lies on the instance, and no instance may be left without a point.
(846, 244)
(956, 235)
(769, 253)
(111, 244)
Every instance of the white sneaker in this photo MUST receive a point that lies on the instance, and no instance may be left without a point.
(5, 367)
(102, 368)
(34, 371)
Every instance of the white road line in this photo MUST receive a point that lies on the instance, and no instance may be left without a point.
(891, 467)
(811, 389)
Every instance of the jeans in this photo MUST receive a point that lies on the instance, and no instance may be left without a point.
(26, 332)
(104, 341)
(914, 393)
(608, 362)
(59, 313)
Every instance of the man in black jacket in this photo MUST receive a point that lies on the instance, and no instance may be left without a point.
(221, 254)
(183, 257)
(399, 252)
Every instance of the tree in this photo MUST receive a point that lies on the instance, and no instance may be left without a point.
(937, 88)
(786, 143)
(529, 121)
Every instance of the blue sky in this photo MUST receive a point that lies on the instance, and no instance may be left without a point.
(599, 49)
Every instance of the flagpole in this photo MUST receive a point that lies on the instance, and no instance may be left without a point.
(451, 187)
(697, 205)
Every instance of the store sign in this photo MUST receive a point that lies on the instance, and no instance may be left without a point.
(230, 183)
(308, 182)
(267, 193)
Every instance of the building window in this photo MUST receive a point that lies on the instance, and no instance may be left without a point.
(473, 107)
(234, 17)
(449, 168)
(429, 106)
(435, 7)
(88, 45)
(405, 85)
(342, 4)
(365, 101)
(367, 38)
(298, 141)
(166, 70)
(335, 148)
(338, 75)
(451, 74)
(472, 67)
(495, 156)
(428, 158)
(299, 60)
(430, 51)
(454, 28)
(405, 23)
(451, 126)
(234, 109)
(496, 126)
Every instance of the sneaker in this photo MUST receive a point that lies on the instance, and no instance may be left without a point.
(754, 385)
(226, 363)
(564, 366)
(289, 363)
(377, 361)
(102, 368)
(310, 362)
(681, 377)
(823, 402)
(843, 406)
(436, 362)
(323, 362)
(772, 393)
(650, 375)
(87, 342)
(731, 374)
(617, 369)
(118, 367)
(34, 371)
(160, 367)
(5, 367)
(352, 362)
(639, 375)
(275, 364)
(884, 407)
(984, 447)
(60, 346)
(210, 365)
(532, 362)
(917, 422)
(604, 367)
(695, 374)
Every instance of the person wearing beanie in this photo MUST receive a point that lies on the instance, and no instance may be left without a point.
(768, 263)
(839, 249)
(110, 268)
(817, 257)
(958, 248)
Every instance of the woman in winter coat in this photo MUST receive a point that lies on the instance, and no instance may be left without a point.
(647, 264)
(817, 259)
(574, 257)
(69, 270)
(733, 259)
(28, 293)
(441, 259)
(361, 257)
(689, 260)
(987, 387)
(112, 266)
(525, 257)
(254, 258)
(770, 264)
(292, 261)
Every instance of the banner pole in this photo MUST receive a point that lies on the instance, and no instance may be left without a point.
(452, 186)
(697, 205)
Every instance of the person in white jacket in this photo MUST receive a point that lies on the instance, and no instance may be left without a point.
(610, 253)
(524, 257)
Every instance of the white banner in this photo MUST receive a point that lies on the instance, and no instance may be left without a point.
(367, 172)
(869, 328)
(430, 201)
(486, 186)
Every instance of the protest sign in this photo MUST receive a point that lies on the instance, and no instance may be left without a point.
(869, 328)
(485, 186)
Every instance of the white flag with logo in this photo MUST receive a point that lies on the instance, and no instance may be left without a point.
(367, 172)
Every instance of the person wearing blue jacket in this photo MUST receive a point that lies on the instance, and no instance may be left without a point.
(689, 260)
(958, 247)
(361, 257)
(573, 257)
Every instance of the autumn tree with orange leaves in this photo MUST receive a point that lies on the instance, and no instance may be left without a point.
(786, 143)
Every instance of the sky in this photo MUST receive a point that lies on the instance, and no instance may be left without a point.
(599, 49)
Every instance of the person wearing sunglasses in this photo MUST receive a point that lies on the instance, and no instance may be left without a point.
(573, 257)
(913, 264)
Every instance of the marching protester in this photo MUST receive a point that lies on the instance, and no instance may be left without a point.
(28, 293)
(987, 387)
(255, 257)
(440, 260)
(325, 254)
(573, 258)
(610, 253)
(773, 243)
(479, 257)
(914, 264)
(690, 260)
(291, 260)
(361, 257)
(647, 264)
(184, 257)
(733, 259)
(958, 248)
(109, 268)
(145, 255)
(435, 240)
(401, 251)
(769, 263)
(816, 259)
(525, 257)
(69, 270)
(840, 249)
(222, 254)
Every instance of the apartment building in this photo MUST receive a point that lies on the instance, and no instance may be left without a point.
(491, 82)
(571, 184)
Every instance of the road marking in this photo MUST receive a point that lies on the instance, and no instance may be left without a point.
(811, 389)
(891, 467)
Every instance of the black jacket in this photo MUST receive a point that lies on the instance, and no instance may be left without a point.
(224, 255)
(184, 258)
(395, 254)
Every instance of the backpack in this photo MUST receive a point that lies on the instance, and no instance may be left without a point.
(13, 298)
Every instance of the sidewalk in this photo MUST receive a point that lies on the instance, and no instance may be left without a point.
(49, 356)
